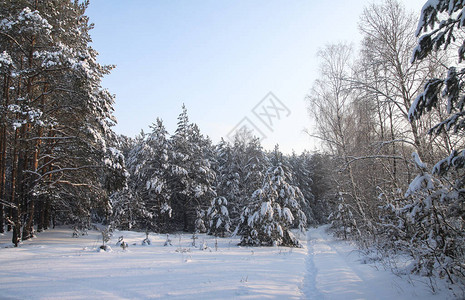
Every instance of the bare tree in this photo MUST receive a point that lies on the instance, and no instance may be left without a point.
(390, 79)
(331, 103)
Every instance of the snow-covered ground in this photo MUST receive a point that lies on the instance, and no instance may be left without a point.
(335, 270)
(56, 266)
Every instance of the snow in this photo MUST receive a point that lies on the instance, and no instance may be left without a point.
(418, 161)
(266, 209)
(421, 182)
(34, 20)
(224, 211)
(5, 59)
(335, 270)
(288, 215)
(56, 266)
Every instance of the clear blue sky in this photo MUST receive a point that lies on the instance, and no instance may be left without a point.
(220, 58)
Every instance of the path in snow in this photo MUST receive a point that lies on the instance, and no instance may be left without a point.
(334, 271)
(329, 273)
(311, 291)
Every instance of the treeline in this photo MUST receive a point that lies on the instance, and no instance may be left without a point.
(55, 118)
(393, 126)
(184, 182)
(61, 163)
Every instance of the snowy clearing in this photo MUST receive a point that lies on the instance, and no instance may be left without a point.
(56, 266)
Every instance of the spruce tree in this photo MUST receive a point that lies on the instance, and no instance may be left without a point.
(191, 177)
(274, 210)
(435, 210)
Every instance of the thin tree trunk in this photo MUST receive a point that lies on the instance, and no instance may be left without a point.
(28, 230)
(394, 150)
(16, 210)
(3, 144)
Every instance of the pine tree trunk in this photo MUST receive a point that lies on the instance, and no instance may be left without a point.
(9, 216)
(2, 220)
(2, 174)
(28, 230)
(27, 182)
(43, 223)
(40, 210)
(3, 144)
(21, 194)
(16, 210)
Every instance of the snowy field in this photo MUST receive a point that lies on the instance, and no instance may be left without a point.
(56, 266)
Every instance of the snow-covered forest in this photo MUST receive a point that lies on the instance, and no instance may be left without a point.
(389, 177)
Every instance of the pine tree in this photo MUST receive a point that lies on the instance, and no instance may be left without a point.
(274, 210)
(229, 178)
(300, 167)
(255, 167)
(128, 210)
(148, 189)
(55, 115)
(156, 173)
(191, 177)
(219, 222)
(342, 220)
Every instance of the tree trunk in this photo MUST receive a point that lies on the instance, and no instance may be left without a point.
(28, 230)
(16, 210)
(3, 144)
(27, 183)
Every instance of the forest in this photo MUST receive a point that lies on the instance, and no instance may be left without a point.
(389, 114)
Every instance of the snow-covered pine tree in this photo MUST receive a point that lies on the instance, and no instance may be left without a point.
(180, 182)
(431, 231)
(127, 204)
(148, 189)
(273, 211)
(156, 173)
(115, 177)
(256, 166)
(219, 222)
(125, 145)
(342, 220)
(128, 210)
(202, 173)
(229, 172)
(55, 115)
(300, 167)
(191, 175)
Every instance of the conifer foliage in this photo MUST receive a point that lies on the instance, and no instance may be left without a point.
(218, 216)
(184, 182)
(436, 196)
(274, 210)
(55, 117)
(60, 161)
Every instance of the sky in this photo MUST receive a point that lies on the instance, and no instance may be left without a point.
(232, 63)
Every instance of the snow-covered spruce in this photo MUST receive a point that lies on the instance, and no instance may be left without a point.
(342, 220)
(218, 217)
(230, 162)
(191, 175)
(274, 209)
(432, 225)
(434, 211)
(145, 203)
